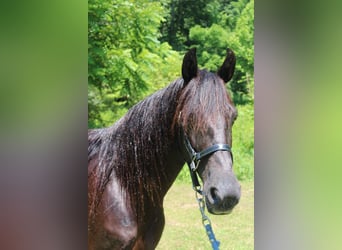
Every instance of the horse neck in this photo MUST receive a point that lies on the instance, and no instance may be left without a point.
(147, 134)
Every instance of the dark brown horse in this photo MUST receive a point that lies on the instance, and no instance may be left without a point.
(133, 163)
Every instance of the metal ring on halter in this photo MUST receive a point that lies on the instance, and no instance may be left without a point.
(196, 157)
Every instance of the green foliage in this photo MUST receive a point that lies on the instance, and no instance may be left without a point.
(126, 60)
(235, 30)
(243, 143)
(213, 42)
(134, 49)
(230, 13)
(242, 42)
(182, 16)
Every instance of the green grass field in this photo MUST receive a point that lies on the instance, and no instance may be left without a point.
(183, 228)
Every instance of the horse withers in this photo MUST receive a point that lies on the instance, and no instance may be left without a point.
(133, 163)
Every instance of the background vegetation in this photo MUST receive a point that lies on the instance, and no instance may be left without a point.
(136, 46)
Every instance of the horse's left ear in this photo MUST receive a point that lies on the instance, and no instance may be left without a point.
(227, 69)
(189, 66)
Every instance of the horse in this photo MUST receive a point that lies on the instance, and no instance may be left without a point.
(133, 163)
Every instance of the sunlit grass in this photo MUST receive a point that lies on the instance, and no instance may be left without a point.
(184, 231)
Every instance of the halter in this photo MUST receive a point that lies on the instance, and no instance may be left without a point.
(196, 157)
(193, 159)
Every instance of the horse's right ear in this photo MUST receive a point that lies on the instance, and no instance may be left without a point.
(189, 66)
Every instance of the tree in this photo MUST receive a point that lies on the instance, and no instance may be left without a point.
(237, 33)
(182, 16)
(129, 55)
(242, 41)
(124, 56)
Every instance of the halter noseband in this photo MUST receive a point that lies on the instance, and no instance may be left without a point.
(193, 158)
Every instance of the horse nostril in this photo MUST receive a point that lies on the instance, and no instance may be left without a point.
(230, 202)
(214, 195)
(225, 203)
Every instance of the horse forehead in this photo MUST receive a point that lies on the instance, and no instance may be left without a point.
(207, 78)
(223, 120)
(219, 123)
(205, 73)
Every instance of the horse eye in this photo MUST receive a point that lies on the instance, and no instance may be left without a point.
(234, 117)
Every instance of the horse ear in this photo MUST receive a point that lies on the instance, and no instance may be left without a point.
(227, 69)
(189, 66)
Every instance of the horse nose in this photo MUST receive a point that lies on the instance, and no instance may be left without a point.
(224, 201)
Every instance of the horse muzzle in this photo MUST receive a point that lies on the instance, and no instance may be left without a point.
(222, 199)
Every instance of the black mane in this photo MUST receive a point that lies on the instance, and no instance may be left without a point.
(134, 149)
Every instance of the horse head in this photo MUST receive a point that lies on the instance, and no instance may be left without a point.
(206, 115)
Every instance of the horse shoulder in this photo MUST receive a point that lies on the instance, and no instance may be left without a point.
(118, 224)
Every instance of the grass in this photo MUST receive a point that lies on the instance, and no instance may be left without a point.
(184, 230)
(243, 142)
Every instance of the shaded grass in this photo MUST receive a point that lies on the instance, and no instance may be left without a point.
(184, 230)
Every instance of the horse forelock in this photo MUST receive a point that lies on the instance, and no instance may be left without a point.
(202, 101)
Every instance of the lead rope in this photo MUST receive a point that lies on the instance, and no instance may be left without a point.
(197, 186)
(201, 203)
